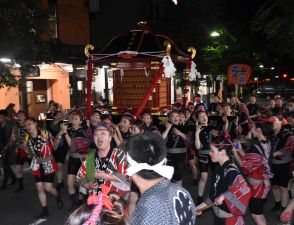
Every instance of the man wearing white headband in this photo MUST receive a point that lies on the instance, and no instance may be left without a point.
(161, 202)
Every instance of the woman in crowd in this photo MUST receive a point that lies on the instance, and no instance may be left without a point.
(125, 125)
(147, 118)
(282, 141)
(60, 151)
(22, 154)
(229, 124)
(219, 110)
(229, 192)
(234, 104)
(243, 119)
(95, 118)
(255, 165)
(44, 166)
(138, 127)
(176, 144)
(203, 137)
(191, 151)
(78, 142)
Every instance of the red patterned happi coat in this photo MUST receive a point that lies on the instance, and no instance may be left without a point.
(41, 149)
(116, 164)
(257, 169)
(227, 181)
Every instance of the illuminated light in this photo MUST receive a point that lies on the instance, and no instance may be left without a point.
(214, 34)
(276, 76)
(272, 68)
(267, 79)
(67, 67)
(80, 85)
(5, 60)
(261, 66)
(285, 75)
(292, 79)
(255, 78)
(16, 65)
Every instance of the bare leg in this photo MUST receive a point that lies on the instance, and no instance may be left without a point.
(41, 193)
(18, 171)
(276, 193)
(71, 179)
(192, 165)
(59, 173)
(284, 196)
(202, 183)
(72, 191)
(50, 189)
(259, 219)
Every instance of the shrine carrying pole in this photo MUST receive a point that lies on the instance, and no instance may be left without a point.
(89, 79)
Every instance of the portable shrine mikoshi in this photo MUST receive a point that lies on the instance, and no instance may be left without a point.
(142, 64)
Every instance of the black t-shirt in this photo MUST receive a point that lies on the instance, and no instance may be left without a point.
(175, 141)
(252, 108)
(205, 137)
(54, 129)
(126, 135)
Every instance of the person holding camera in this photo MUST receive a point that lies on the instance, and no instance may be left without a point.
(78, 142)
(60, 150)
(255, 164)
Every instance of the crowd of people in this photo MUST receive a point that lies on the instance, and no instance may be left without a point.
(131, 172)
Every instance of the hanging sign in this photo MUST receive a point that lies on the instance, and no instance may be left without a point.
(239, 74)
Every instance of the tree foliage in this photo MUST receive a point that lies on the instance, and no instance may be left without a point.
(22, 24)
(275, 20)
(215, 50)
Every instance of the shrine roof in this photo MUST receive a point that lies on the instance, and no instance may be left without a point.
(148, 45)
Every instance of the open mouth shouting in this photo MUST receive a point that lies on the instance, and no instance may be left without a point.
(99, 142)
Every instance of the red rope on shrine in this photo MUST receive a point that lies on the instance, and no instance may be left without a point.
(144, 101)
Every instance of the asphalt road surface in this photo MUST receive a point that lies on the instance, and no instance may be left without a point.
(20, 208)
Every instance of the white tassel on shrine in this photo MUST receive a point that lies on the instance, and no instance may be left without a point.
(121, 74)
(146, 72)
(193, 72)
(169, 67)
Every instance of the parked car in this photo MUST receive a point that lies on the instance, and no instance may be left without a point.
(284, 87)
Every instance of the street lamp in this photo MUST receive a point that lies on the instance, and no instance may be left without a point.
(261, 66)
(214, 34)
(5, 60)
